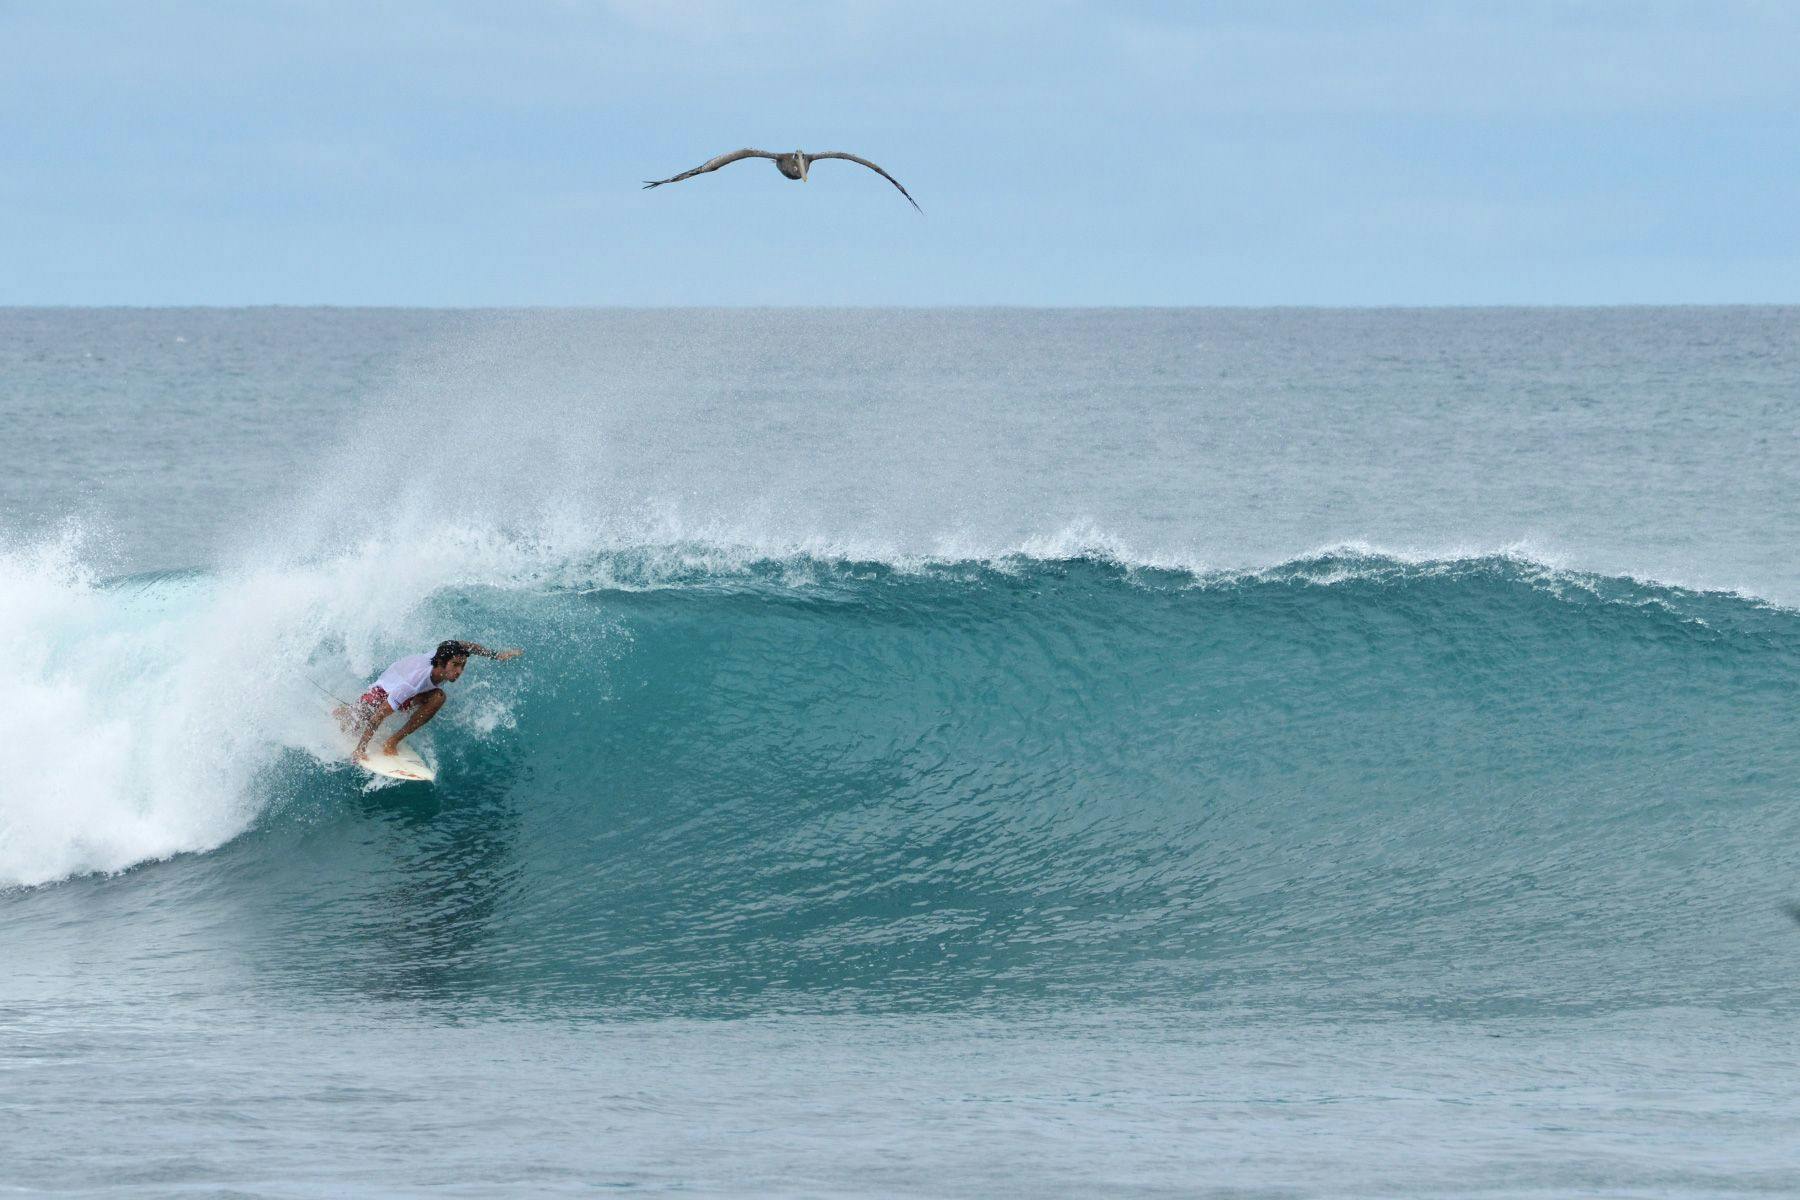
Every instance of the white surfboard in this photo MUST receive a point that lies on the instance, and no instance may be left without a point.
(409, 764)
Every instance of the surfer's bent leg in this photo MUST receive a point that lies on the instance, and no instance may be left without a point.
(369, 717)
(424, 706)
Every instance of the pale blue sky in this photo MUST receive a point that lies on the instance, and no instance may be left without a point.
(1065, 153)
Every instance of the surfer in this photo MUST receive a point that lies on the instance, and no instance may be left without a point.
(416, 683)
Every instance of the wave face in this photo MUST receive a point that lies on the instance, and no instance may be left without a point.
(719, 781)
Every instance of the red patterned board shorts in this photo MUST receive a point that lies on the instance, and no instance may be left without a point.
(377, 697)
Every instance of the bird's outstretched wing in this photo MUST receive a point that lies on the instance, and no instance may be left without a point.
(865, 162)
(711, 164)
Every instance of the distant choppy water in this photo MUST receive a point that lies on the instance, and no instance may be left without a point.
(956, 753)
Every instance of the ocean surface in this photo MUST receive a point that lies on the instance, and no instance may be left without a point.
(955, 753)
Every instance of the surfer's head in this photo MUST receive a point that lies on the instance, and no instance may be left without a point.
(448, 661)
(448, 650)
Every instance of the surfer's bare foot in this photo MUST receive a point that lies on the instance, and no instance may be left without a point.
(392, 747)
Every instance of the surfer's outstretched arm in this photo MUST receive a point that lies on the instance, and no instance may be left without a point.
(496, 655)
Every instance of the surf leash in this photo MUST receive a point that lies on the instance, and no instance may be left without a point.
(328, 695)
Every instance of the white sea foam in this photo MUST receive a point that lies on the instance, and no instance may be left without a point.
(143, 716)
(104, 765)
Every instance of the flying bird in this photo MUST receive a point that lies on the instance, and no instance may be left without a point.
(792, 165)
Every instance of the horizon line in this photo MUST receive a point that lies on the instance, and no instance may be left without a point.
(1471, 306)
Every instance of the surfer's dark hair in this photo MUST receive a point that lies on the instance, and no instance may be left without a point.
(447, 651)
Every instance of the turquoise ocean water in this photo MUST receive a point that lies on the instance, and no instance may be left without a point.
(1223, 753)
